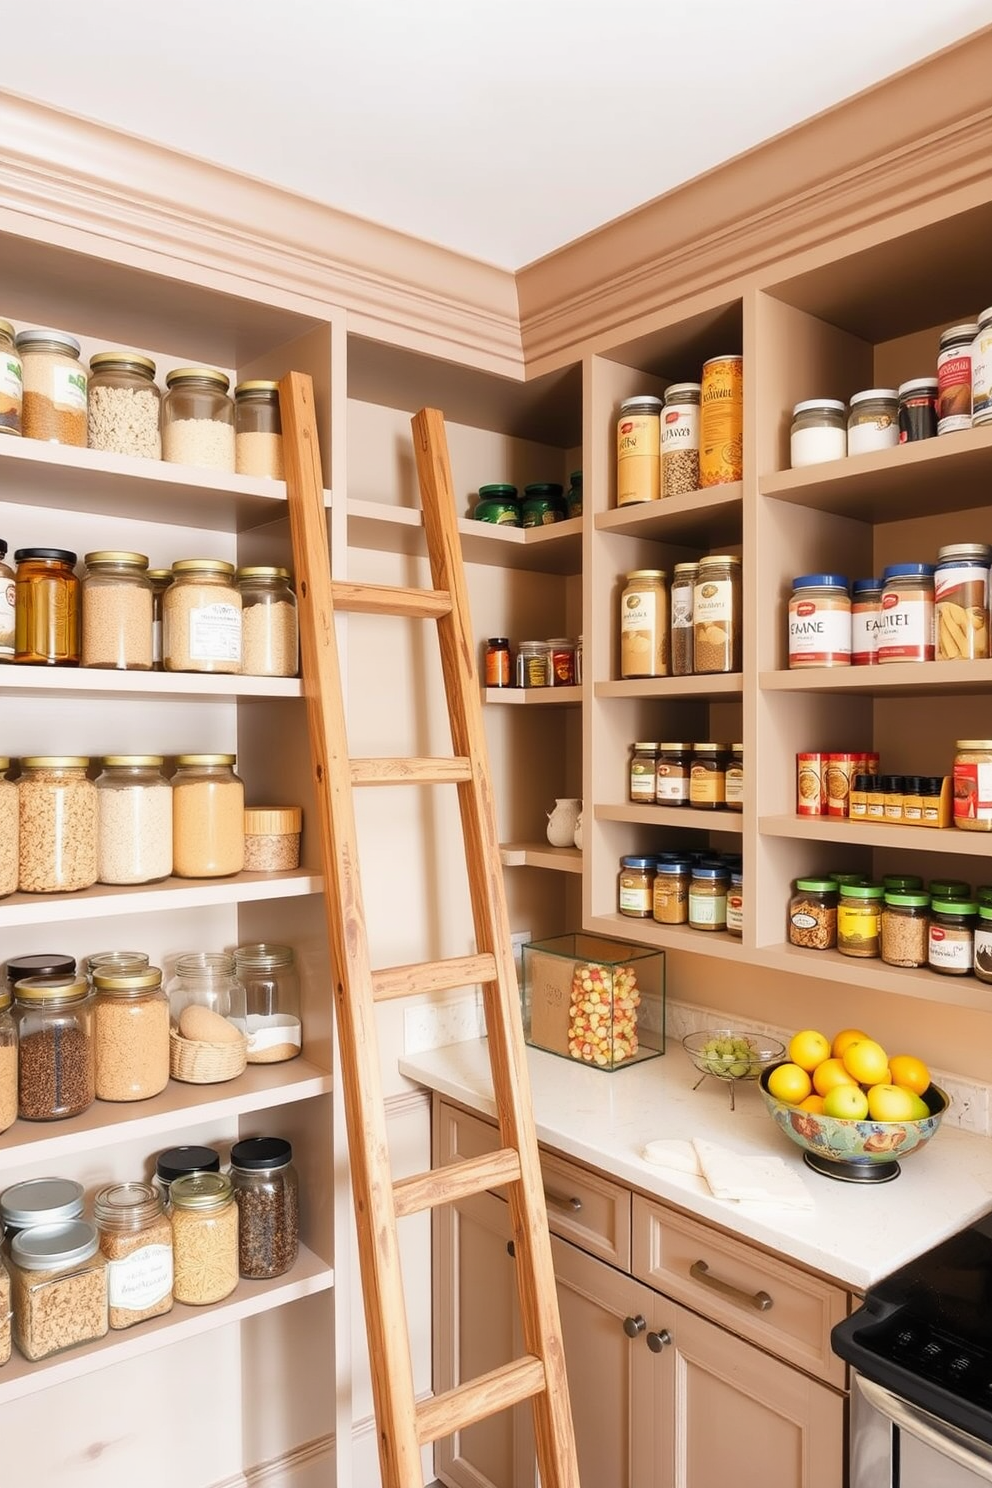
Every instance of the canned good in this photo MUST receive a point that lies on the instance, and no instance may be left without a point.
(819, 621)
(917, 409)
(721, 421)
(498, 503)
(954, 378)
(973, 785)
(905, 627)
(838, 772)
(810, 796)
(961, 601)
(873, 421)
(644, 624)
(639, 450)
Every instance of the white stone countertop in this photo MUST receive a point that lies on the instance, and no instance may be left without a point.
(855, 1234)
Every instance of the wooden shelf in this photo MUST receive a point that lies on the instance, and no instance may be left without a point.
(668, 937)
(179, 1107)
(844, 831)
(534, 697)
(309, 1276)
(672, 816)
(400, 529)
(103, 900)
(540, 855)
(703, 519)
(93, 682)
(898, 679)
(719, 685)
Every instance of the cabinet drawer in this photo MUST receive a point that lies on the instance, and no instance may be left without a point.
(589, 1210)
(767, 1300)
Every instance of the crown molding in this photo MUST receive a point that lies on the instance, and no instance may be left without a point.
(80, 178)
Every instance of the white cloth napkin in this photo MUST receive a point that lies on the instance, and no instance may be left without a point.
(759, 1179)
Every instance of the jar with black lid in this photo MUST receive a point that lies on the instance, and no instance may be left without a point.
(917, 409)
(671, 780)
(41, 964)
(708, 776)
(124, 405)
(46, 607)
(267, 1195)
(642, 772)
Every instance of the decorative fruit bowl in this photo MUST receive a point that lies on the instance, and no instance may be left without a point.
(731, 1054)
(855, 1151)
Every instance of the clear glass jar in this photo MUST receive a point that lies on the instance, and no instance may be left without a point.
(906, 617)
(708, 776)
(819, 621)
(134, 820)
(198, 418)
(961, 601)
(204, 1238)
(9, 831)
(680, 439)
(131, 1034)
(951, 946)
(54, 406)
(117, 612)
(904, 928)
(983, 941)
(813, 914)
(55, 1065)
(125, 406)
(11, 382)
(639, 450)
(735, 905)
(270, 637)
(635, 884)
(641, 776)
(207, 980)
(46, 607)
(267, 1196)
(866, 606)
(57, 811)
(973, 785)
(534, 664)
(258, 430)
(859, 920)
(136, 1242)
(8, 603)
(208, 817)
(562, 661)
(58, 1280)
(680, 603)
(114, 962)
(670, 891)
(39, 1201)
(873, 422)
(272, 999)
(201, 618)
(8, 1061)
(716, 615)
(672, 772)
(708, 891)
(644, 624)
(818, 432)
(160, 579)
(177, 1162)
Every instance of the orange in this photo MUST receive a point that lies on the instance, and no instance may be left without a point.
(842, 1039)
(848, 1102)
(828, 1075)
(812, 1103)
(789, 1083)
(808, 1049)
(909, 1072)
(867, 1062)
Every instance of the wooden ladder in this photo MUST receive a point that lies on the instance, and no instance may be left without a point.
(404, 1425)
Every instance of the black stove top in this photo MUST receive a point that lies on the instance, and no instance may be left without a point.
(925, 1332)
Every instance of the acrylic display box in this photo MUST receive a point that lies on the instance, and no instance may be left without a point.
(598, 1001)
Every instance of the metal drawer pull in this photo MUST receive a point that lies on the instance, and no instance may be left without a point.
(562, 1201)
(657, 1341)
(634, 1325)
(699, 1271)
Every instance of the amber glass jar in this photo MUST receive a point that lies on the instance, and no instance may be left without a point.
(46, 607)
(708, 776)
(124, 405)
(258, 430)
(672, 772)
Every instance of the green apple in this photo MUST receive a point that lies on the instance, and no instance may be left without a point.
(848, 1102)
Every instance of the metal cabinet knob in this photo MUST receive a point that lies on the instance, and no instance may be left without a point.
(634, 1325)
(657, 1341)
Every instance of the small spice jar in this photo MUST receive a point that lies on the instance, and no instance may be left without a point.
(8, 1061)
(160, 579)
(562, 661)
(136, 1241)
(130, 1034)
(11, 382)
(708, 890)
(201, 618)
(973, 785)
(258, 430)
(124, 405)
(680, 439)
(961, 601)
(208, 817)
(117, 612)
(859, 916)
(670, 891)
(873, 421)
(734, 780)
(954, 378)
(498, 504)
(983, 942)
(497, 662)
(680, 601)
(272, 999)
(543, 505)
(272, 838)
(46, 607)
(708, 776)
(813, 914)
(198, 418)
(735, 904)
(9, 830)
(54, 405)
(573, 496)
(917, 409)
(866, 604)
(534, 664)
(58, 1288)
(641, 782)
(905, 928)
(204, 1238)
(905, 622)
(716, 612)
(644, 624)
(818, 432)
(819, 621)
(134, 820)
(57, 810)
(39, 1201)
(55, 1065)
(671, 779)
(270, 637)
(951, 946)
(267, 1196)
(177, 1162)
(639, 450)
(635, 886)
(8, 606)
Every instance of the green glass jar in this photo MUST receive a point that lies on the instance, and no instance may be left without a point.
(573, 496)
(498, 503)
(543, 505)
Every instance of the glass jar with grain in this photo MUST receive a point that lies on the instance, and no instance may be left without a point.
(904, 928)
(39, 1201)
(670, 893)
(204, 1238)
(54, 407)
(270, 642)
(117, 612)
(57, 817)
(267, 1196)
(258, 430)
(813, 914)
(859, 919)
(134, 820)
(46, 607)
(55, 1064)
(58, 1280)
(9, 831)
(201, 618)
(680, 439)
(644, 624)
(11, 382)
(716, 614)
(124, 405)
(198, 418)
(131, 1034)
(208, 817)
(160, 579)
(136, 1241)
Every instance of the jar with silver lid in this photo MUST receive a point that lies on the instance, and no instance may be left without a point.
(639, 450)
(961, 601)
(258, 430)
(198, 418)
(11, 382)
(818, 432)
(124, 405)
(873, 421)
(136, 1240)
(201, 618)
(270, 642)
(54, 407)
(116, 612)
(58, 1288)
(39, 1201)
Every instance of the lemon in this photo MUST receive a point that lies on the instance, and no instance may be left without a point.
(809, 1048)
(867, 1062)
(889, 1103)
(848, 1102)
(789, 1083)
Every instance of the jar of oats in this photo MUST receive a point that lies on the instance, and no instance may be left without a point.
(208, 817)
(198, 418)
(136, 1240)
(204, 1238)
(134, 820)
(54, 406)
(9, 831)
(258, 430)
(270, 641)
(58, 1280)
(124, 405)
(57, 818)
(117, 612)
(131, 1034)
(201, 618)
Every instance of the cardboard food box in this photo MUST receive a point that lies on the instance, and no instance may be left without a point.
(598, 1001)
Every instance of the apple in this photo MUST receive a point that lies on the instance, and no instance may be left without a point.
(889, 1103)
(847, 1102)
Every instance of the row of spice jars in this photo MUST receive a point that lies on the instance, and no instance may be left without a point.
(46, 393)
(701, 890)
(201, 615)
(543, 503)
(71, 1278)
(709, 776)
(850, 785)
(693, 627)
(553, 663)
(943, 927)
(689, 440)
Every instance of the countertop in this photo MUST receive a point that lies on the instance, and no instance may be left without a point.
(856, 1233)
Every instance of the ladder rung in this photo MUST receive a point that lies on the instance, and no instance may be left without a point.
(390, 599)
(478, 1399)
(455, 1181)
(410, 771)
(432, 976)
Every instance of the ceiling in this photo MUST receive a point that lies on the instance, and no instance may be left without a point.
(499, 128)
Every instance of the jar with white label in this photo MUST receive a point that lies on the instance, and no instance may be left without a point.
(954, 378)
(201, 618)
(983, 943)
(981, 371)
(906, 617)
(136, 1241)
(818, 432)
(735, 905)
(672, 773)
(873, 421)
(11, 382)
(819, 621)
(973, 785)
(54, 407)
(961, 601)
(680, 439)
(641, 783)
(716, 614)
(708, 890)
(951, 947)
(644, 624)
(866, 606)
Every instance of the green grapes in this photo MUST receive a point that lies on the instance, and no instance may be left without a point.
(730, 1058)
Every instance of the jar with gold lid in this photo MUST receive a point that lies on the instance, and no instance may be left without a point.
(11, 382)
(258, 430)
(57, 813)
(716, 614)
(208, 817)
(269, 627)
(198, 418)
(201, 618)
(124, 405)
(204, 1238)
(644, 624)
(117, 612)
(641, 784)
(708, 776)
(55, 1056)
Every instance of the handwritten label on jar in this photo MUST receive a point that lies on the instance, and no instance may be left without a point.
(141, 1279)
(950, 949)
(215, 633)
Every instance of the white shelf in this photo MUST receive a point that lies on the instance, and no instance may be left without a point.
(901, 679)
(104, 900)
(540, 855)
(673, 816)
(93, 682)
(399, 529)
(533, 697)
(309, 1276)
(844, 831)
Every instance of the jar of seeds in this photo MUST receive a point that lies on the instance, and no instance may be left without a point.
(57, 811)
(134, 820)
(204, 1238)
(124, 405)
(680, 439)
(267, 1195)
(58, 1281)
(54, 406)
(55, 1065)
(136, 1240)
(9, 831)
(198, 418)
(117, 612)
(904, 928)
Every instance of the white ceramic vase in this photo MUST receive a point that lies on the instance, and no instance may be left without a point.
(577, 834)
(561, 822)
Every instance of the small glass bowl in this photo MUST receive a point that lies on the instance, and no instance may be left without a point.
(731, 1054)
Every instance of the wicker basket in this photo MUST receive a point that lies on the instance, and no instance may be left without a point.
(199, 1063)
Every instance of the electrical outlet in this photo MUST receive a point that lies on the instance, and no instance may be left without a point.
(431, 1025)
